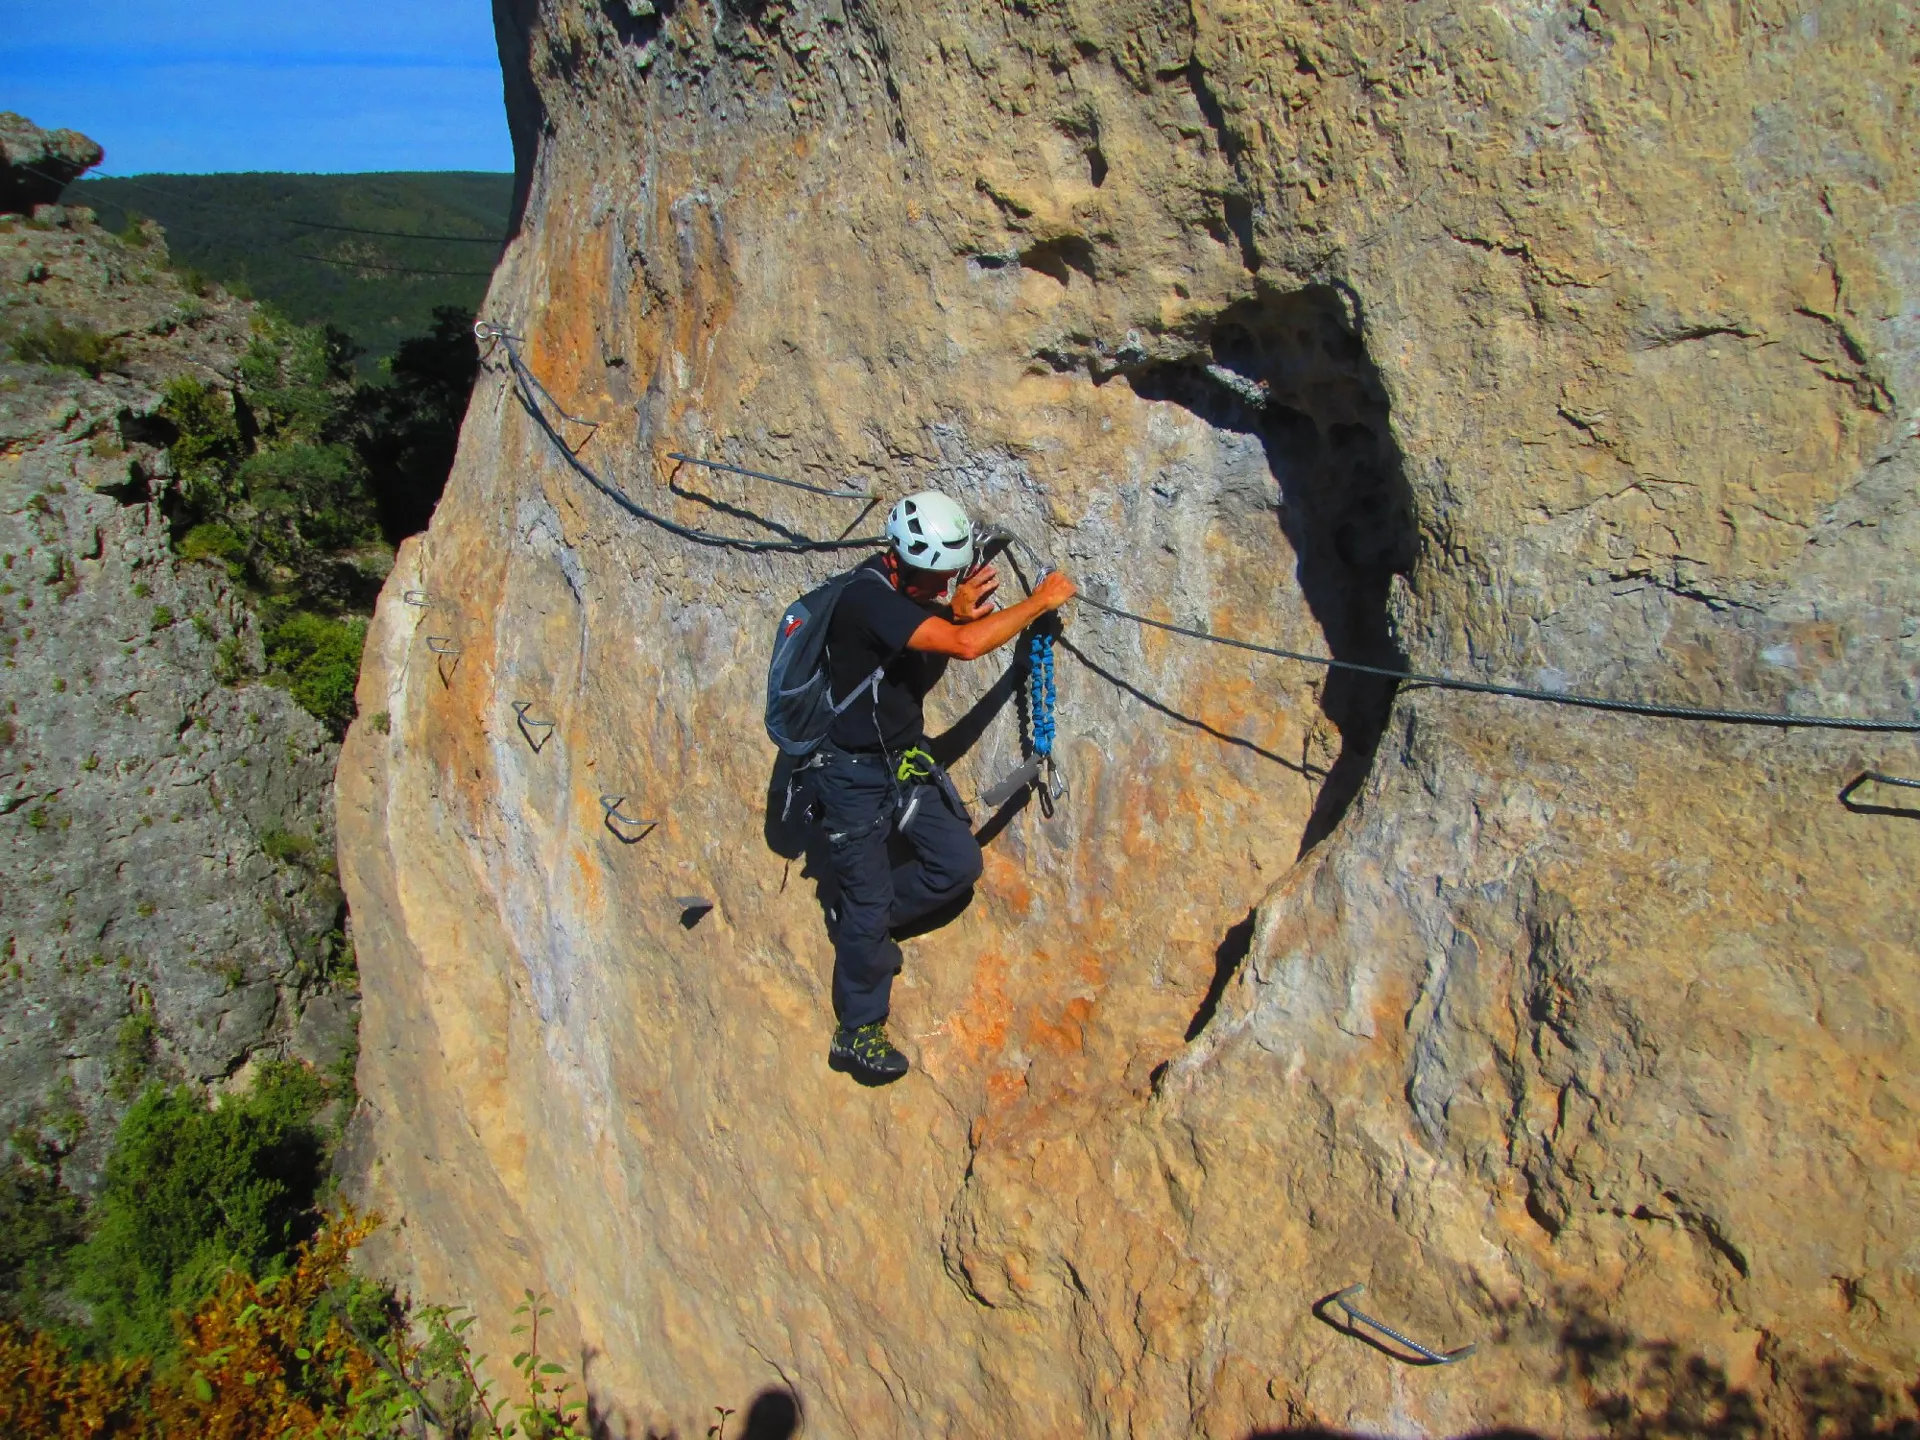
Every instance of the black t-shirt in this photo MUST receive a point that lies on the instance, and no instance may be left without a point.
(872, 623)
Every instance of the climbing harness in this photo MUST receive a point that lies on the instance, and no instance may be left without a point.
(776, 479)
(915, 776)
(1433, 1357)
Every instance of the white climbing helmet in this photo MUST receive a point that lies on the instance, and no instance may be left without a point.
(930, 532)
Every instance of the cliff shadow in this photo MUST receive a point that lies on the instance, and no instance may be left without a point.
(1292, 371)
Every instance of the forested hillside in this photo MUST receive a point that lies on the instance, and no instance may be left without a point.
(301, 241)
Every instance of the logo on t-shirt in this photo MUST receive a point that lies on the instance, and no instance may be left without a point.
(794, 622)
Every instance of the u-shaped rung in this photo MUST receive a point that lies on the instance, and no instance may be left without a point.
(419, 599)
(1874, 777)
(442, 645)
(610, 805)
(1359, 1317)
(528, 725)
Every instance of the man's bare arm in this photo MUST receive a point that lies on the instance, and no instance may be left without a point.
(974, 638)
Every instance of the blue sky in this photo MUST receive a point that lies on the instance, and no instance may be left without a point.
(209, 85)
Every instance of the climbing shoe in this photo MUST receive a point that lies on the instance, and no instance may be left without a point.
(866, 1054)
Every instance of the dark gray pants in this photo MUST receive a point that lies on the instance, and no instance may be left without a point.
(857, 794)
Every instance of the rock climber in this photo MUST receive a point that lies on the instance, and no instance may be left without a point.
(875, 778)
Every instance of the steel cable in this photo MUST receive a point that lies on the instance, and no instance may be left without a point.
(527, 384)
(1523, 692)
(529, 389)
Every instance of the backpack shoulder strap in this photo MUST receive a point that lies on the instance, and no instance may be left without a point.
(872, 682)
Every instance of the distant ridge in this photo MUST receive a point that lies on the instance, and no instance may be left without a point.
(240, 229)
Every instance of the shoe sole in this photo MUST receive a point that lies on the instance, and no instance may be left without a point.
(863, 1074)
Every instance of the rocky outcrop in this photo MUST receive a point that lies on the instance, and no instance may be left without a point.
(36, 165)
(169, 908)
(1572, 345)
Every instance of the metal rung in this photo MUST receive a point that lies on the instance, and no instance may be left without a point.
(1437, 1357)
(528, 725)
(776, 479)
(610, 804)
(419, 599)
(1016, 780)
(1874, 777)
(442, 645)
(689, 903)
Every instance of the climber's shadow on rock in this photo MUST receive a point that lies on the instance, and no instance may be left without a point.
(774, 1415)
(1635, 1388)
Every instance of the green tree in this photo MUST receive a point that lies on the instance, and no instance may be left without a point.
(191, 1193)
(206, 446)
(40, 1223)
(410, 426)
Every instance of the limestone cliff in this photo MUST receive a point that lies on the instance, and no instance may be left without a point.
(165, 905)
(1575, 345)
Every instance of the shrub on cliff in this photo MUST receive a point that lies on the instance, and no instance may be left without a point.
(40, 1222)
(191, 1193)
(71, 347)
(320, 659)
(315, 1352)
(207, 442)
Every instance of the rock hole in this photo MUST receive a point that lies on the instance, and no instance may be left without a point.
(1056, 258)
(1235, 227)
(1541, 1216)
(1083, 125)
(1293, 371)
(636, 22)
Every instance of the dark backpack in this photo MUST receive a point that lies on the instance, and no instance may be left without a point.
(800, 704)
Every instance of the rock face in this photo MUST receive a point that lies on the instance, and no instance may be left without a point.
(36, 165)
(162, 882)
(1569, 345)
